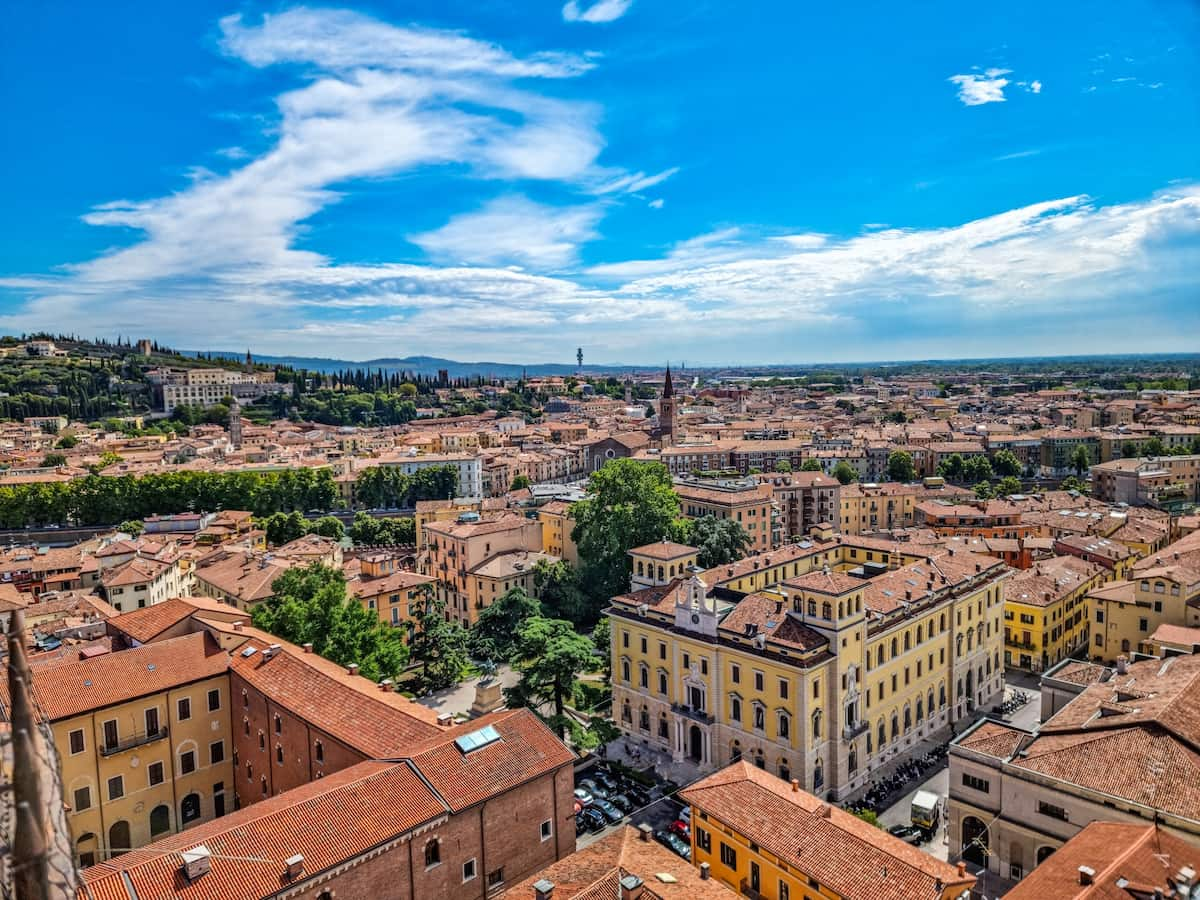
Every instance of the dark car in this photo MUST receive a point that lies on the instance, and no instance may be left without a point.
(639, 796)
(910, 834)
(593, 819)
(622, 802)
(594, 788)
(604, 779)
(611, 813)
(675, 843)
(580, 824)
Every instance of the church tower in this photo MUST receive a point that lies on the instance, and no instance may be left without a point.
(667, 412)
(235, 425)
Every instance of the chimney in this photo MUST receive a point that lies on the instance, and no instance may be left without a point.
(386, 684)
(1087, 875)
(644, 832)
(275, 649)
(962, 869)
(705, 871)
(1122, 664)
(826, 811)
(295, 866)
(237, 626)
(352, 669)
(197, 862)
(543, 889)
(631, 888)
(445, 720)
(795, 785)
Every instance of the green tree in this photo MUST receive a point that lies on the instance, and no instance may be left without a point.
(897, 416)
(310, 605)
(1072, 483)
(53, 460)
(602, 641)
(811, 465)
(1008, 485)
(844, 472)
(977, 469)
(132, 527)
(983, 490)
(782, 466)
(1153, 447)
(495, 633)
(630, 503)
(1129, 449)
(66, 442)
(438, 645)
(900, 467)
(951, 468)
(1005, 464)
(519, 482)
(328, 526)
(551, 655)
(1081, 460)
(369, 531)
(282, 528)
(562, 596)
(719, 541)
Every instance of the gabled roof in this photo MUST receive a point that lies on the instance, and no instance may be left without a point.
(143, 625)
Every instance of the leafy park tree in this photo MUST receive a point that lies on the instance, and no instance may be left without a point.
(844, 472)
(132, 527)
(281, 528)
(983, 490)
(519, 482)
(66, 442)
(53, 460)
(495, 633)
(602, 641)
(1007, 486)
(328, 526)
(551, 654)
(1153, 447)
(561, 593)
(783, 466)
(369, 531)
(810, 465)
(630, 503)
(1081, 460)
(719, 541)
(1005, 464)
(1072, 483)
(900, 467)
(439, 646)
(977, 469)
(1129, 449)
(310, 605)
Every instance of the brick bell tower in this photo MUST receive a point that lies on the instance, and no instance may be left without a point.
(667, 412)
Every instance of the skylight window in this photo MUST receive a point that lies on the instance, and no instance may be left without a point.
(477, 739)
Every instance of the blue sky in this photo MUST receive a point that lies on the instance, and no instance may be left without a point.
(716, 182)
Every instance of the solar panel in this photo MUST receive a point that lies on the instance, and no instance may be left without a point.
(476, 739)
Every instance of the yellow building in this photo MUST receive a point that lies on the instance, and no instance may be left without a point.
(1163, 589)
(763, 837)
(144, 739)
(882, 507)
(1045, 611)
(557, 525)
(384, 588)
(836, 669)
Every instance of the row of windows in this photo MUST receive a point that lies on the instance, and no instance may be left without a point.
(77, 739)
(155, 775)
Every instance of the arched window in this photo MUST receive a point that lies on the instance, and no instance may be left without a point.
(907, 718)
(279, 754)
(907, 642)
(812, 607)
(785, 725)
(816, 725)
(895, 726)
(662, 726)
(644, 719)
(929, 704)
(626, 713)
(759, 759)
(882, 734)
(879, 655)
(662, 682)
(920, 710)
(246, 726)
(625, 676)
(262, 741)
(263, 784)
(827, 610)
(941, 696)
(644, 676)
(841, 609)
(852, 761)
(1043, 853)
(735, 709)
(660, 574)
(735, 751)
(433, 853)
(895, 648)
(920, 632)
(818, 776)
(784, 772)
(760, 717)
(118, 839)
(640, 572)
(870, 743)
(160, 821)
(1125, 645)
(189, 809)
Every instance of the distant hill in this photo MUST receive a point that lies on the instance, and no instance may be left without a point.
(427, 365)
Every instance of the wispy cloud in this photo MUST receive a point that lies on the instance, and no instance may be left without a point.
(599, 11)
(978, 88)
(513, 230)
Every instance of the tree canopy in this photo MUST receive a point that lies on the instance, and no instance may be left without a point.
(844, 472)
(550, 656)
(495, 634)
(438, 645)
(900, 467)
(719, 541)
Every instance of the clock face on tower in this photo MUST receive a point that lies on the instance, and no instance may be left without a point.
(695, 618)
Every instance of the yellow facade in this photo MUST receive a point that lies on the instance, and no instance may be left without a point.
(557, 525)
(1042, 631)
(137, 771)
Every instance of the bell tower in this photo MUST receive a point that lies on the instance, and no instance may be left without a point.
(667, 411)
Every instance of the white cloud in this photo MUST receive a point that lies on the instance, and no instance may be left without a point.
(1035, 87)
(656, 203)
(513, 229)
(600, 11)
(976, 90)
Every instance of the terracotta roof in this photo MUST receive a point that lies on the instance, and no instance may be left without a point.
(663, 550)
(328, 821)
(992, 739)
(1176, 634)
(826, 582)
(72, 688)
(1128, 862)
(850, 856)
(143, 625)
(594, 871)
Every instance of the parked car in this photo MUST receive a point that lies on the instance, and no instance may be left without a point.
(677, 844)
(584, 796)
(594, 819)
(680, 828)
(639, 796)
(685, 815)
(593, 788)
(611, 813)
(580, 824)
(622, 802)
(910, 834)
(604, 779)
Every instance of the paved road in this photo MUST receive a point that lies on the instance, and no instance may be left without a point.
(899, 812)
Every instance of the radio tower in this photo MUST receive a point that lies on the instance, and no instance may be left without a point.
(579, 359)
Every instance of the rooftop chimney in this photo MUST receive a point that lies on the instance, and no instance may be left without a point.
(386, 684)
(962, 869)
(826, 811)
(237, 626)
(196, 862)
(1087, 875)
(308, 648)
(352, 669)
(705, 871)
(445, 720)
(1122, 664)
(645, 831)
(631, 888)
(295, 866)
(543, 889)
(795, 785)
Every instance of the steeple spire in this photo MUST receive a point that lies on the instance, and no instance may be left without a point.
(668, 390)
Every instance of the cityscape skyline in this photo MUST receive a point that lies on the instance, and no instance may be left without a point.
(361, 183)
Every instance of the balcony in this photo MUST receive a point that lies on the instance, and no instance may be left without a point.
(748, 891)
(691, 712)
(853, 730)
(130, 743)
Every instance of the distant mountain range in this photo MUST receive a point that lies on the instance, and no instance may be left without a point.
(426, 365)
